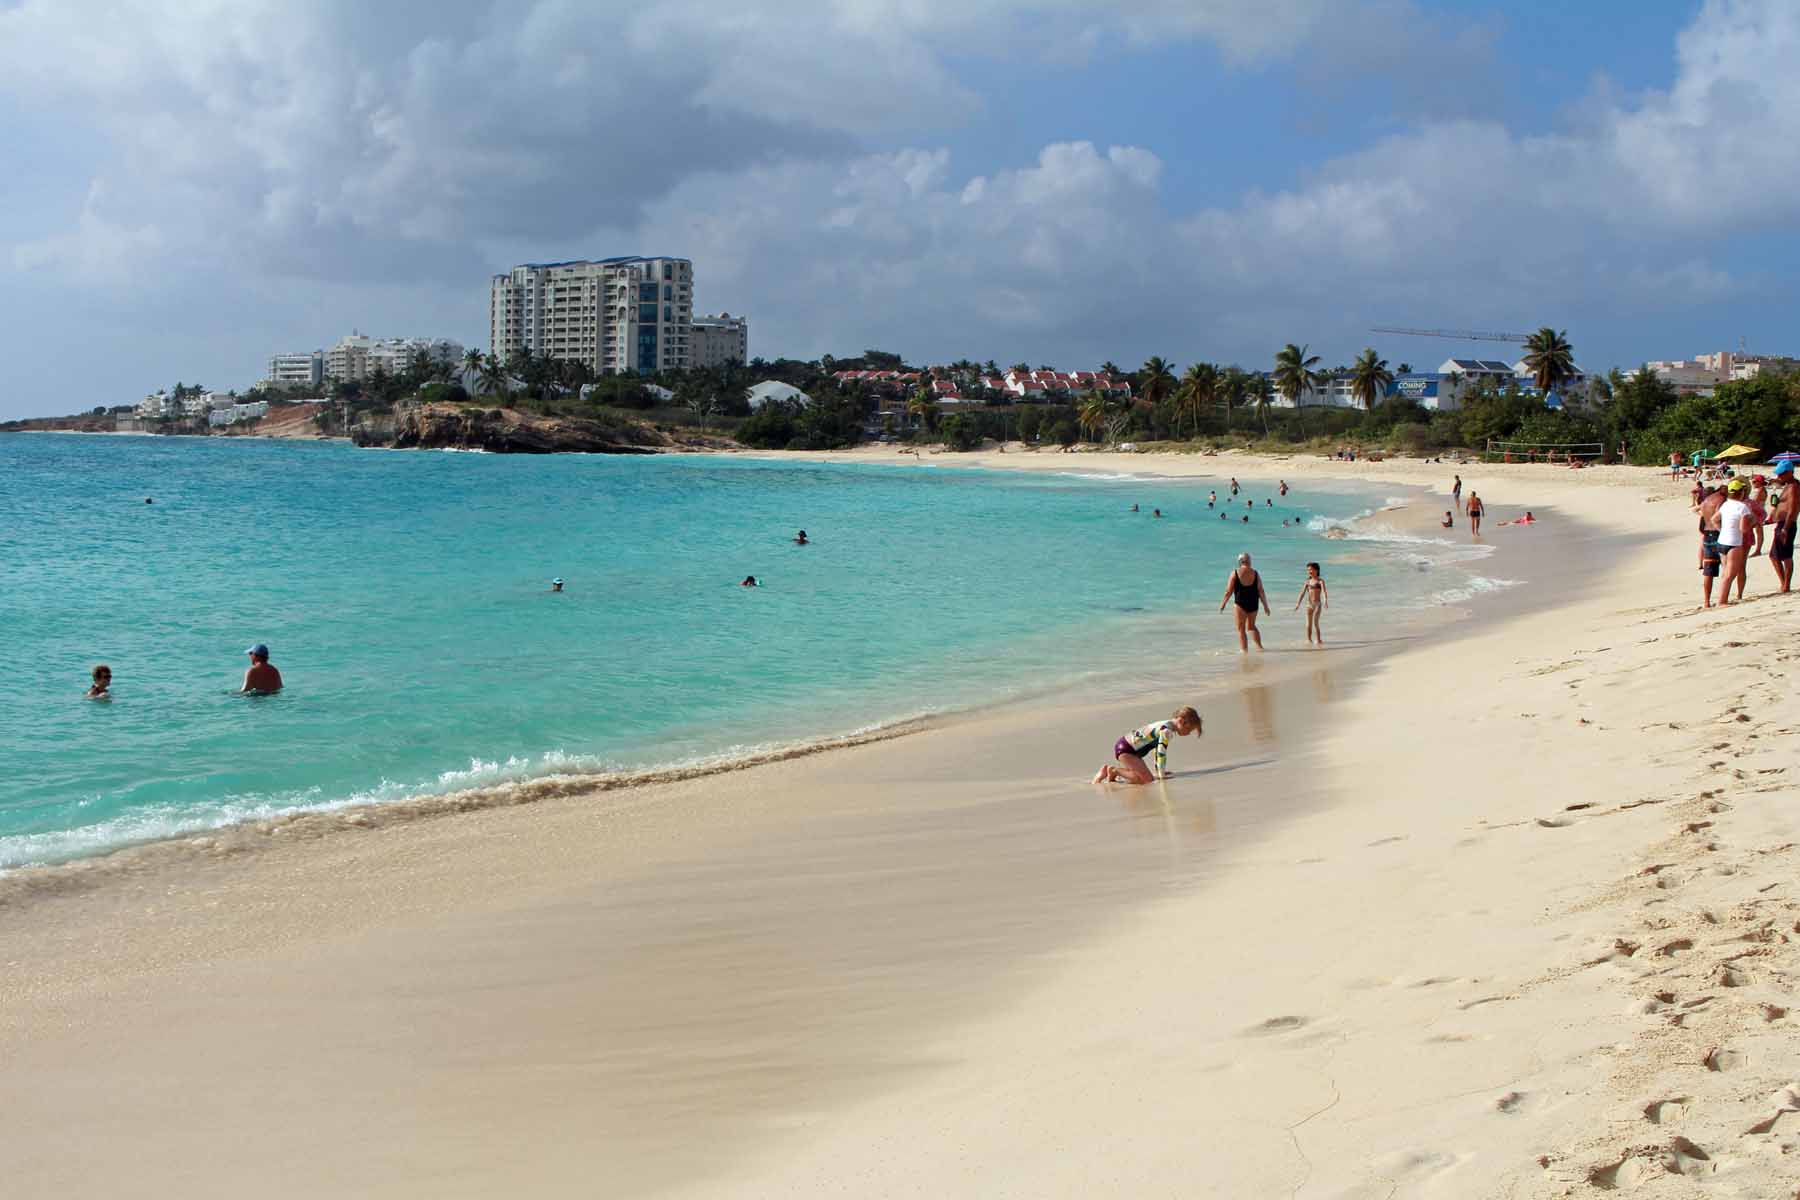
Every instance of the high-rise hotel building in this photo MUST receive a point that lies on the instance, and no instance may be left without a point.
(617, 315)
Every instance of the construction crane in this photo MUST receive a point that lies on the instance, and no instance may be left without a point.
(1461, 335)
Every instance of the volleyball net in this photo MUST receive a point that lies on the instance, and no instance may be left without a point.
(1555, 452)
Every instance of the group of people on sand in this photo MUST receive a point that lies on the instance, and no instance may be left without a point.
(261, 679)
(1732, 520)
(1244, 591)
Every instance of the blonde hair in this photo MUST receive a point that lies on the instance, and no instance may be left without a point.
(1187, 711)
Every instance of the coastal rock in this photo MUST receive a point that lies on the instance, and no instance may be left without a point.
(504, 431)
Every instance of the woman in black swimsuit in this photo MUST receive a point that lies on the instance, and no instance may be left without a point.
(1245, 587)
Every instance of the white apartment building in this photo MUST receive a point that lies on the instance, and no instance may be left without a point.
(235, 413)
(306, 368)
(156, 407)
(357, 357)
(617, 315)
(720, 340)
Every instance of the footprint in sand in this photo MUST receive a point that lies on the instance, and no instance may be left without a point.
(1398, 837)
(1630, 1171)
(1721, 1059)
(1665, 1112)
(1511, 1102)
(1555, 822)
(1276, 1025)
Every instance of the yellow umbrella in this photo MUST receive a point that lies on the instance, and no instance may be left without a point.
(1737, 451)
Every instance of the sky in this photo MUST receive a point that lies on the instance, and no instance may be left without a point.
(188, 186)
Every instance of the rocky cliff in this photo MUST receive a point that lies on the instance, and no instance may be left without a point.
(504, 431)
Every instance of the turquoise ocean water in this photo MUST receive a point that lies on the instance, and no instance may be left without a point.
(404, 596)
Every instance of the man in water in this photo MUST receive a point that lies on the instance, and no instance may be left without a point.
(1787, 514)
(800, 539)
(749, 581)
(262, 679)
(556, 584)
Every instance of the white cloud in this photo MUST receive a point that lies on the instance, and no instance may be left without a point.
(343, 150)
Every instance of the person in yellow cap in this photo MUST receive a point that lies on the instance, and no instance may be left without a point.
(1735, 537)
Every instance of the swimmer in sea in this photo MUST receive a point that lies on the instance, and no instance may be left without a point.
(800, 539)
(1246, 518)
(1268, 502)
(1234, 487)
(749, 581)
(1156, 512)
(1284, 487)
(1312, 593)
(1150, 740)
(1134, 508)
(556, 584)
(262, 679)
(102, 689)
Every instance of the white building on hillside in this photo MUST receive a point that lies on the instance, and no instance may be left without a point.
(625, 315)
(720, 340)
(237, 413)
(306, 368)
(157, 406)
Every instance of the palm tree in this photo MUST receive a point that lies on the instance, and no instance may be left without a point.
(1369, 377)
(471, 365)
(1199, 391)
(923, 405)
(1156, 379)
(1294, 376)
(1259, 391)
(1109, 367)
(1549, 357)
(493, 376)
(1234, 389)
(1092, 413)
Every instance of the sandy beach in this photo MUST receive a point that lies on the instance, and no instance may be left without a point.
(1508, 909)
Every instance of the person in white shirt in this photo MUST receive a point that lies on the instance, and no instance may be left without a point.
(1735, 537)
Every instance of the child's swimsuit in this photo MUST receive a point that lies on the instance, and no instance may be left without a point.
(1141, 742)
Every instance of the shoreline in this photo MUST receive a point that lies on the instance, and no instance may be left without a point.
(1362, 962)
(92, 867)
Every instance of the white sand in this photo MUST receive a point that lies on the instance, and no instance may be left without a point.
(1518, 919)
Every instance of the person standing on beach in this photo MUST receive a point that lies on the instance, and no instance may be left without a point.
(1710, 553)
(1785, 517)
(262, 679)
(1312, 592)
(1758, 500)
(1244, 587)
(1734, 538)
(1475, 511)
(1150, 740)
(1456, 493)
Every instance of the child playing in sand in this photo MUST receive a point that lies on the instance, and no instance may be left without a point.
(1153, 740)
(1312, 594)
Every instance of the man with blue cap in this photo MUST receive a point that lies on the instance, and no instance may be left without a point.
(1787, 513)
(262, 679)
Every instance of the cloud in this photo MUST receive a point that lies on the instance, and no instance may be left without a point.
(1079, 256)
(362, 160)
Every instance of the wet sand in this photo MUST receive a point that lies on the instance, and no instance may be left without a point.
(1316, 961)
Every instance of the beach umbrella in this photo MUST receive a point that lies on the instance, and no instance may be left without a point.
(1738, 450)
(1786, 456)
(1697, 455)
